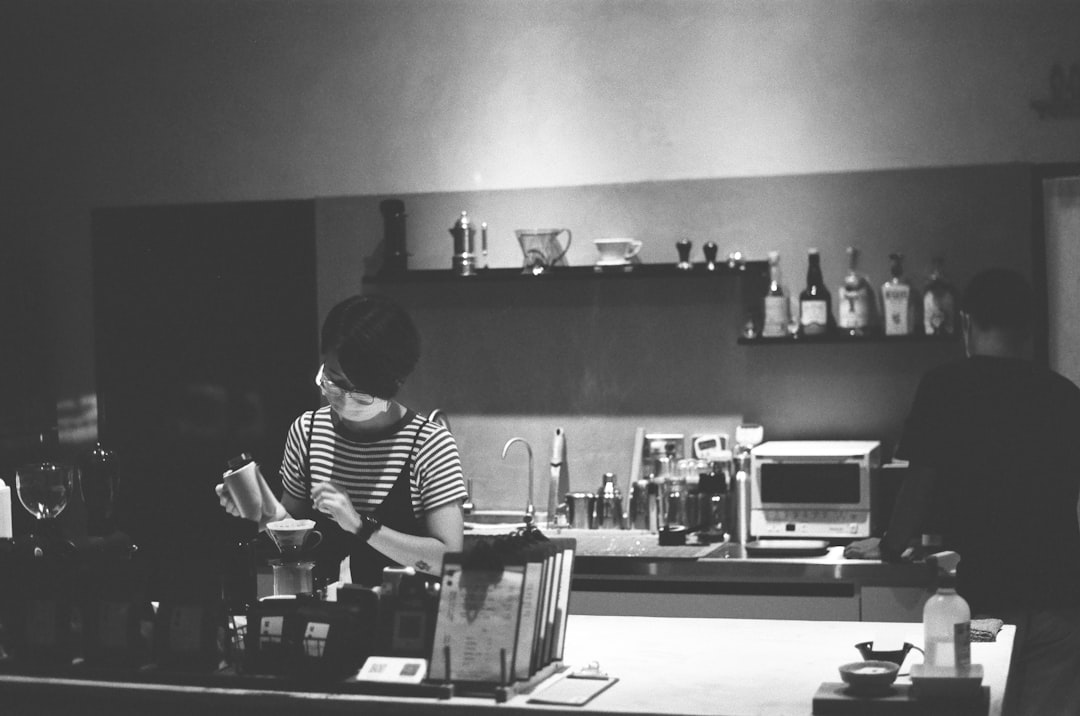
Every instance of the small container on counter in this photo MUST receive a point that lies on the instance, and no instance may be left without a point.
(639, 506)
(714, 493)
(581, 509)
(609, 506)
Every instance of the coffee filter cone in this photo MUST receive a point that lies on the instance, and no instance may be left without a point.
(289, 535)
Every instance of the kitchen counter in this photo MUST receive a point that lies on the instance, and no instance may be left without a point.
(626, 572)
(722, 667)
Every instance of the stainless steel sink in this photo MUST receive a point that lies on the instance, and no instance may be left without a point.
(509, 518)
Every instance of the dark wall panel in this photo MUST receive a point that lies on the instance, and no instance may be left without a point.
(206, 344)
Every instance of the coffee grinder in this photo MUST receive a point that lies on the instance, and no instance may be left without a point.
(295, 540)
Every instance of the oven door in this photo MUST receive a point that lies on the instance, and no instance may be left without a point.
(810, 484)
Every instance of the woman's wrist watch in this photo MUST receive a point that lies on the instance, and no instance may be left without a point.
(368, 526)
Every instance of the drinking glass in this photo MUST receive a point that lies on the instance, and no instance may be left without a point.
(44, 488)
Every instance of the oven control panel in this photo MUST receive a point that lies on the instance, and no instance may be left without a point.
(827, 523)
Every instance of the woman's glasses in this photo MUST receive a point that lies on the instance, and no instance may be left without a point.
(334, 390)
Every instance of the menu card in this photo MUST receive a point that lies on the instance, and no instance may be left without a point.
(499, 623)
(477, 623)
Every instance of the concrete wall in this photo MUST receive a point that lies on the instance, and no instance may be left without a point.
(122, 102)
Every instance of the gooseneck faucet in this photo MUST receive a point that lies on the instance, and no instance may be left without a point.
(530, 511)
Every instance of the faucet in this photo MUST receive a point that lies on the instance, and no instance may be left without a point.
(438, 416)
(530, 511)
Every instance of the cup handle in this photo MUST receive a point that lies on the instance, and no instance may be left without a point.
(569, 239)
(314, 539)
(634, 249)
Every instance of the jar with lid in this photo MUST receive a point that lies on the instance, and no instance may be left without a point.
(673, 501)
(609, 513)
(715, 488)
(690, 470)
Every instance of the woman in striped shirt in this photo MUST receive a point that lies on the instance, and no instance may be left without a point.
(383, 483)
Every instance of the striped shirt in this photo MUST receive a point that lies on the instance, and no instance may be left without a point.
(367, 469)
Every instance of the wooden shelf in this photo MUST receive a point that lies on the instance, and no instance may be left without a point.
(842, 338)
(573, 273)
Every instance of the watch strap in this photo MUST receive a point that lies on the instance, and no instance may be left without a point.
(368, 526)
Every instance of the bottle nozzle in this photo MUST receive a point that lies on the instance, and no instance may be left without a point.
(945, 565)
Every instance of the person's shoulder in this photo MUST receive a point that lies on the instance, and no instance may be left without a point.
(946, 373)
(1064, 388)
(310, 419)
(1062, 382)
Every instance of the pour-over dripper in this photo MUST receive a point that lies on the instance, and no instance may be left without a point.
(293, 538)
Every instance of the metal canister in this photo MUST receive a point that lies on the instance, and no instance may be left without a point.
(581, 507)
(639, 505)
(463, 262)
(609, 506)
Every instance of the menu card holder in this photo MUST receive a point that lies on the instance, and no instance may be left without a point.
(502, 614)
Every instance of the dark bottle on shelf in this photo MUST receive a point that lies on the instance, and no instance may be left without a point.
(815, 301)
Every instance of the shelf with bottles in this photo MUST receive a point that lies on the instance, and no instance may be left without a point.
(897, 312)
(837, 337)
(697, 271)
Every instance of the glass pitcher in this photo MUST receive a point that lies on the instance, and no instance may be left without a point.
(541, 248)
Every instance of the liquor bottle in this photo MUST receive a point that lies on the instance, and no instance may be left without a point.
(857, 305)
(776, 301)
(815, 302)
(899, 301)
(939, 303)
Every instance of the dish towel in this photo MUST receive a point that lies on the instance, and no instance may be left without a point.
(985, 629)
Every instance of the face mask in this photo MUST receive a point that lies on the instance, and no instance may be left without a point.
(356, 412)
(346, 405)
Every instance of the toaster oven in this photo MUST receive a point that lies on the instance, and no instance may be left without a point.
(813, 488)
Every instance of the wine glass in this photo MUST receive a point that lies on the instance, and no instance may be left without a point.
(44, 489)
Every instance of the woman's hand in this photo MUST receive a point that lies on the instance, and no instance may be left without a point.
(333, 501)
(226, 500)
(869, 548)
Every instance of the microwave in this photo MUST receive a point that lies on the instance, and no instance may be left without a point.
(813, 488)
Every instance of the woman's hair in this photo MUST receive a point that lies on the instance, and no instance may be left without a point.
(375, 341)
(1000, 298)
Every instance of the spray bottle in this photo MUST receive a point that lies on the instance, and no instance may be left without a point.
(946, 619)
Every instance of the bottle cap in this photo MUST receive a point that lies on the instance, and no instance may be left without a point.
(235, 463)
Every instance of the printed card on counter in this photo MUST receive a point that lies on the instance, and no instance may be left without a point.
(477, 628)
(531, 601)
(562, 599)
